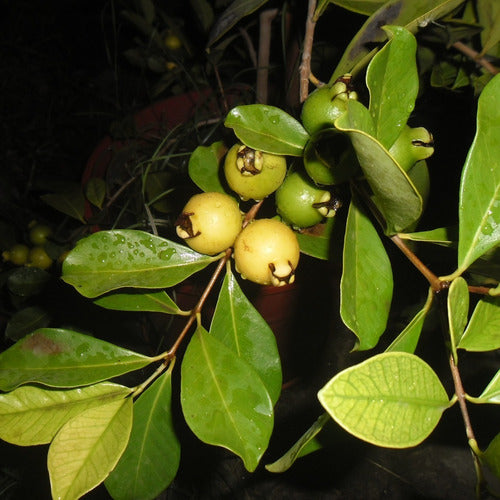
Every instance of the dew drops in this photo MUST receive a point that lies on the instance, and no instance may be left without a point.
(167, 254)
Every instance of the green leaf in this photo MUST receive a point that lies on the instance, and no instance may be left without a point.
(407, 340)
(223, 400)
(63, 358)
(491, 393)
(25, 321)
(479, 205)
(365, 7)
(139, 300)
(288, 459)
(95, 191)
(394, 194)
(366, 284)
(240, 327)
(267, 128)
(316, 241)
(151, 459)
(204, 164)
(108, 260)
(204, 13)
(70, 202)
(32, 415)
(492, 455)
(483, 330)
(411, 15)
(393, 399)
(489, 17)
(445, 236)
(392, 80)
(27, 281)
(87, 448)
(458, 309)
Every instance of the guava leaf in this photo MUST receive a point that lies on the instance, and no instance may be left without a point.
(392, 80)
(27, 281)
(483, 330)
(63, 358)
(151, 459)
(316, 241)
(203, 167)
(95, 191)
(267, 128)
(70, 201)
(492, 455)
(393, 399)
(240, 327)
(407, 340)
(395, 196)
(25, 321)
(125, 258)
(224, 401)
(445, 236)
(366, 284)
(489, 17)
(458, 309)
(491, 393)
(139, 300)
(32, 415)
(95, 440)
(411, 15)
(365, 7)
(479, 204)
(296, 451)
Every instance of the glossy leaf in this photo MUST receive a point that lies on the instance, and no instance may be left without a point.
(483, 330)
(479, 204)
(366, 284)
(223, 400)
(26, 321)
(392, 80)
(32, 415)
(366, 7)
(63, 358)
(27, 281)
(139, 300)
(288, 459)
(108, 260)
(411, 15)
(491, 393)
(87, 448)
(240, 327)
(316, 241)
(458, 309)
(407, 340)
(151, 459)
(394, 194)
(492, 455)
(392, 399)
(203, 167)
(268, 129)
(70, 202)
(95, 191)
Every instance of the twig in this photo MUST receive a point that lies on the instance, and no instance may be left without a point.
(250, 47)
(265, 20)
(476, 57)
(305, 65)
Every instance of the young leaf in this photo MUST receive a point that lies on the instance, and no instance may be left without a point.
(267, 128)
(479, 205)
(492, 455)
(151, 459)
(204, 164)
(240, 327)
(63, 358)
(445, 236)
(492, 392)
(296, 451)
(223, 400)
(407, 340)
(392, 399)
(70, 201)
(366, 284)
(483, 330)
(108, 260)
(87, 448)
(139, 300)
(95, 191)
(392, 80)
(31, 415)
(458, 309)
(394, 194)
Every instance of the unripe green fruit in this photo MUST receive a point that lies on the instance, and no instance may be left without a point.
(39, 233)
(326, 104)
(17, 254)
(253, 174)
(209, 222)
(329, 158)
(38, 257)
(267, 252)
(412, 145)
(303, 204)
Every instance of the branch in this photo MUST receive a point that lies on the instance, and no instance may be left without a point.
(476, 57)
(266, 19)
(305, 65)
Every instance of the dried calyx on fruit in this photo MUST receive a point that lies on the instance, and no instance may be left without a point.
(210, 222)
(253, 174)
(412, 145)
(267, 252)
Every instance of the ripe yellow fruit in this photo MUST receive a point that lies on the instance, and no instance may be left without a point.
(209, 222)
(267, 252)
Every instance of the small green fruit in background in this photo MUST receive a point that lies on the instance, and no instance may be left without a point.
(253, 174)
(329, 158)
(412, 145)
(325, 104)
(303, 204)
(39, 233)
(17, 254)
(267, 252)
(38, 257)
(209, 222)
